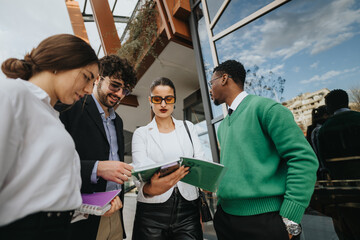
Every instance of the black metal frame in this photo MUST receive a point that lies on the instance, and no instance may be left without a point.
(203, 83)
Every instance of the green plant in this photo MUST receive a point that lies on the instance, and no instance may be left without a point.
(142, 31)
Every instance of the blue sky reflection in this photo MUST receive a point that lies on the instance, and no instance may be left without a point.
(312, 45)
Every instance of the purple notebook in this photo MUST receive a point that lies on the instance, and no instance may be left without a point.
(99, 199)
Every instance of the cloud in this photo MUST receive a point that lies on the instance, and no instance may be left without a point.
(322, 78)
(328, 75)
(314, 65)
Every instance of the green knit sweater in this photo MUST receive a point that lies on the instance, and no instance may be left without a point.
(271, 166)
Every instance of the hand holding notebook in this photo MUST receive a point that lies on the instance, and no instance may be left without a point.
(97, 203)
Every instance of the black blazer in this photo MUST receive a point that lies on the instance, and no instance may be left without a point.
(84, 123)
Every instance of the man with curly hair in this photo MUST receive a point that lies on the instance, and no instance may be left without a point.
(98, 134)
(271, 166)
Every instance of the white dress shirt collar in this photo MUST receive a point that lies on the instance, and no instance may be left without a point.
(238, 100)
(40, 94)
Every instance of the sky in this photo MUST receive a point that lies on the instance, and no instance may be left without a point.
(25, 23)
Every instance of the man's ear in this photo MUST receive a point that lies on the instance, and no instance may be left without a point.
(224, 79)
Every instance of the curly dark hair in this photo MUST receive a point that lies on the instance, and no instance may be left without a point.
(336, 99)
(119, 68)
(235, 69)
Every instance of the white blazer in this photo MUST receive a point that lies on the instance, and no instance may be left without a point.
(147, 149)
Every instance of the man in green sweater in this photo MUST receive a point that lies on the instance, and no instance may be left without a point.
(271, 166)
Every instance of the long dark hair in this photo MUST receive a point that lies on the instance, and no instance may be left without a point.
(161, 81)
(56, 53)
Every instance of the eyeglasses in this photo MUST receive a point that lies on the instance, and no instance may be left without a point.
(167, 99)
(115, 87)
(211, 82)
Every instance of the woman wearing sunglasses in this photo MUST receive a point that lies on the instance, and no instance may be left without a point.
(39, 167)
(166, 207)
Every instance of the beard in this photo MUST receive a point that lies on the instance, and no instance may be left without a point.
(216, 101)
(103, 98)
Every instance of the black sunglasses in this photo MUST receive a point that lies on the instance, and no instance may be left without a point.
(167, 99)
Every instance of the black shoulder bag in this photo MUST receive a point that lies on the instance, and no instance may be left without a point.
(204, 208)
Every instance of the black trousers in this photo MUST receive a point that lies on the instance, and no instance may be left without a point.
(42, 225)
(175, 219)
(267, 226)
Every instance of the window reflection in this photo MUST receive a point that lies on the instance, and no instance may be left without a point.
(296, 54)
(237, 10)
(201, 129)
(206, 53)
(213, 7)
(310, 45)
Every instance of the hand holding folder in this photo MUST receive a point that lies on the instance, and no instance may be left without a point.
(203, 174)
(160, 184)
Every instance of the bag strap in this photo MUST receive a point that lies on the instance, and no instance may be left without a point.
(201, 194)
(188, 132)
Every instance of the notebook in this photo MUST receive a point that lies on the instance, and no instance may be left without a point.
(97, 203)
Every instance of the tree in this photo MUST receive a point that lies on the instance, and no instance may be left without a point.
(355, 98)
(142, 32)
(266, 84)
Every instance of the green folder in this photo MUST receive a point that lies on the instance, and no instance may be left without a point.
(203, 174)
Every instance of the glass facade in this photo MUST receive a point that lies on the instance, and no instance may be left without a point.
(236, 11)
(294, 52)
(206, 53)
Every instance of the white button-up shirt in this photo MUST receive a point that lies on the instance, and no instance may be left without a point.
(39, 167)
(238, 100)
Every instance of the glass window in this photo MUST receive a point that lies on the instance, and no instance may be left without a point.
(296, 54)
(216, 126)
(206, 53)
(237, 10)
(201, 129)
(195, 113)
(213, 7)
(308, 45)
